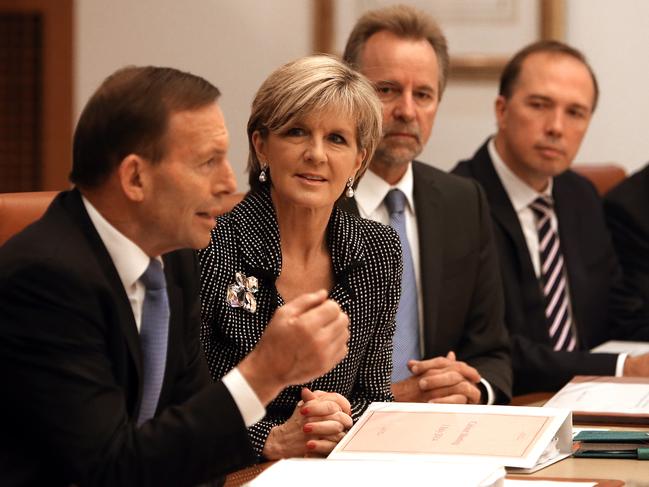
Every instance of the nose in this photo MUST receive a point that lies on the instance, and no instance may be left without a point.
(554, 123)
(315, 151)
(224, 180)
(404, 108)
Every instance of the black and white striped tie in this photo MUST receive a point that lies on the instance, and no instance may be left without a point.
(553, 278)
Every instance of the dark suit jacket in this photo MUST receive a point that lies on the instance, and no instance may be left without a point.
(70, 366)
(627, 214)
(461, 286)
(601, 308)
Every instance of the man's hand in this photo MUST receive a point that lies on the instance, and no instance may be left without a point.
(441, 379)
(305, 339)
(636, 366)
(317, 424)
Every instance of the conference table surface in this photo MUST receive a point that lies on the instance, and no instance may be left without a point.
(635, 473)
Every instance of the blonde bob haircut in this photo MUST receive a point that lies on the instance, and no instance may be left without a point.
(315, 84)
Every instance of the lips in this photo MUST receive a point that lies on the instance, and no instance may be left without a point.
(549, 150)
(312, 178)
(402, 134)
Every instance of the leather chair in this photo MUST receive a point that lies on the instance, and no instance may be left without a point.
(603, 176)
(17, 210)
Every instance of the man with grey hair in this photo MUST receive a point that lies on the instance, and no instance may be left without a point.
(451, 344)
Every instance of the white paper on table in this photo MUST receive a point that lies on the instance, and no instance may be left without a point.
(602, 396)
(576, 431)
(620, 346)
(513, 436)
(325, 473)
(548, 483)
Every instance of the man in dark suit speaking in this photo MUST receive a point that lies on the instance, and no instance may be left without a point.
(104, 379)
(451, 344)
(563, 288)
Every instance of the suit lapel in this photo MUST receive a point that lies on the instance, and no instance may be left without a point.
(514, 243)
(175, 336)
(430, 225)
(75, 207)
(501, 208)
(569, 225)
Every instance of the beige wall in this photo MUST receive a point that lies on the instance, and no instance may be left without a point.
(233, 43)
(236, 43)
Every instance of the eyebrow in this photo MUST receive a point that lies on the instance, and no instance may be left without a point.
(550, 99)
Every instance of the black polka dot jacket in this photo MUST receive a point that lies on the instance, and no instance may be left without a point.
(367, 266)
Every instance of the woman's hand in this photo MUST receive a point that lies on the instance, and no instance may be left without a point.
(317, 424)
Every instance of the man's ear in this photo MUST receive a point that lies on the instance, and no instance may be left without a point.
(500, 108)
(133, 175)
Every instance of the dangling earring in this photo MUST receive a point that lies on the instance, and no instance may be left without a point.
(350, 190)
(262, 175)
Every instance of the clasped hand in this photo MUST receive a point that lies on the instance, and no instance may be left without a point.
(440, 380)
(318, 423)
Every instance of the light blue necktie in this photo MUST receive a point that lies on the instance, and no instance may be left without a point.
(154, 330)
(406, 337)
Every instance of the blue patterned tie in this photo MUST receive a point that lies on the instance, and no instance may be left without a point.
(406, 337)
(154, 330)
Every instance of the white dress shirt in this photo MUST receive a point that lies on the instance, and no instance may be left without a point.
(521, 196)
(131, 262)
(370, 193)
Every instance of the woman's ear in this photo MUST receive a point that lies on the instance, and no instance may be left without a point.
(260, 146)
(360, 157)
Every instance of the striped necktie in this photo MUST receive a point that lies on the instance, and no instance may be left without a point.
(154, 330)
(406, 336)
(553, 278)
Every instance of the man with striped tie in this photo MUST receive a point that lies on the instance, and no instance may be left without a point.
(563, 288)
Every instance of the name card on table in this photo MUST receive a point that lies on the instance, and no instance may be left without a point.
(523, 439)
(605, 399)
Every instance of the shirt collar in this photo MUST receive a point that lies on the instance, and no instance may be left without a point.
(520, 193)
(129, 259)
(372, 189)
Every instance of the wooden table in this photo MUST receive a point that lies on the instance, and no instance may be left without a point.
(635, 473)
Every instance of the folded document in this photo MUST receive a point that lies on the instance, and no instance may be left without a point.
(521, 438)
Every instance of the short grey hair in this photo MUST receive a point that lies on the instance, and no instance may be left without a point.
(405, 22)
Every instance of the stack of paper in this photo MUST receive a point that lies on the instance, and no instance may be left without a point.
(605, 399)
(620, 346)
(325, 473)
(525, 438)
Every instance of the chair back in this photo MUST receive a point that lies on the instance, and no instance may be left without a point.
(603, 176)
(17, 210)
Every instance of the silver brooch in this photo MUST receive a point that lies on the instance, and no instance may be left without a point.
(241, 293)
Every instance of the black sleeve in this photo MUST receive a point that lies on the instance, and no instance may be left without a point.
(55, 359)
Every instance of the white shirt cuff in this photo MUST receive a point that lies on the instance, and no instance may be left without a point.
(251, 409)
(619, 367)
(491, 396)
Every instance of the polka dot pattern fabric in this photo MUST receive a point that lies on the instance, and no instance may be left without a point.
(367, 265)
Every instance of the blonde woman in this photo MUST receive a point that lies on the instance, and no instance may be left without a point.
(313, 129)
